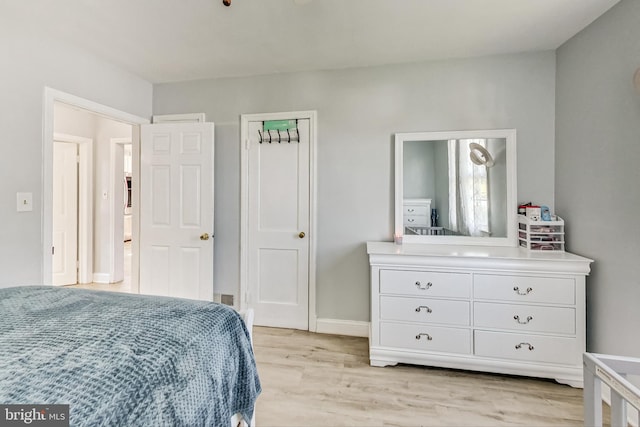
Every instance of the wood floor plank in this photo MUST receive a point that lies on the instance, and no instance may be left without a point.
(325, 380)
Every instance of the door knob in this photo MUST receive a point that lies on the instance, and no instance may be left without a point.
(204, 236)
(301, 235)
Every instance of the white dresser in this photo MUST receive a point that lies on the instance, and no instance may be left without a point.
(416, 212)
(494, 309)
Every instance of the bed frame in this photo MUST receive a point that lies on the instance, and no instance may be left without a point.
(613, 372)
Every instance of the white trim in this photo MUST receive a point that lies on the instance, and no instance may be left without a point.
(312, 116)
(352, 328)
(180, 118)
(85, 203)
(112, 205)
(101, 278)
(50, 96)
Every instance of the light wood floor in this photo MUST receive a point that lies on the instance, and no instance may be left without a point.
(123, 286)
(324, 380)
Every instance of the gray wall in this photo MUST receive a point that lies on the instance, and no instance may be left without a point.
(359, 110)
(598, 171)
(418, 170)
(29, 64)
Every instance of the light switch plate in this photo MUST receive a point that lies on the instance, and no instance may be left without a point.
(24, 202)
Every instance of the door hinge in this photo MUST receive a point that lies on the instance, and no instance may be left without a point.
(53, 250)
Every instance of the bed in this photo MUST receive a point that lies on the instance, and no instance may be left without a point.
(122, 359)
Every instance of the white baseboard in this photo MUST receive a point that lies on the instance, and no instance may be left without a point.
(351, 328)
(101, 278)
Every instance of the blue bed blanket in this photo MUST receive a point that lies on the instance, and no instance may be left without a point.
(125, 360)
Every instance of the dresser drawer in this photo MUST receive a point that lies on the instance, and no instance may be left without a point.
(525, 289)
(424, 310)
(425, 283)
(425, 338)
(525, 318)
(528, 347)
(417, 220)
(420, 210)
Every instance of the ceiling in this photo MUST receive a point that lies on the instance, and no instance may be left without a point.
(175, 40)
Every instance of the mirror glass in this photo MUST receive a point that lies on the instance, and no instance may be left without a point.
(456, 187)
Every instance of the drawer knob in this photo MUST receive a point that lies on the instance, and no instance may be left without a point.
(423, 287)
(517, 319)
(519, 346)
(419, 309)
(421, 334)
(517, 290)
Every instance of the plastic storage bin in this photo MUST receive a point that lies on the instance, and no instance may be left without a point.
(541, 235)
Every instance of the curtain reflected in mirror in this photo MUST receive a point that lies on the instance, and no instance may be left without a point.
(468, 190)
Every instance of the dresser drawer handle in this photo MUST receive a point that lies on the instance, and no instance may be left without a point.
(419, 336)
(423, 287)
(410, 210)
(517, 290)
(410, 220)
(419, 308)
(517, 319)
(519, 346)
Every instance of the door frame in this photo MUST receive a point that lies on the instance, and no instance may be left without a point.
(312, 116)
(113, 211)
(50, 97)
(85, 205)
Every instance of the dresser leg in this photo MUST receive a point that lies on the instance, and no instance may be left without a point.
(381, 363)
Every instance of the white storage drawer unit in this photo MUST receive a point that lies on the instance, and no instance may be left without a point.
(416, 212)
(495, 309)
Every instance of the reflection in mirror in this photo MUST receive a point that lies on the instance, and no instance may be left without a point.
(456, 187)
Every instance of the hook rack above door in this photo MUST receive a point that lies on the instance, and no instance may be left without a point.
(279, 131)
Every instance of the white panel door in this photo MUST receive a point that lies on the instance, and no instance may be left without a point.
(278, 216)
(176, 210)
(65, 213)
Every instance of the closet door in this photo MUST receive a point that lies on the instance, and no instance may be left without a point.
(278, 187)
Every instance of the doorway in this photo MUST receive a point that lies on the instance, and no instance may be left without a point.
(277, 255)
(120, 212)
(96, 263)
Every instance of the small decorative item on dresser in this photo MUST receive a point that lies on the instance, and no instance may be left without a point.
(538, 235)
(397, 239)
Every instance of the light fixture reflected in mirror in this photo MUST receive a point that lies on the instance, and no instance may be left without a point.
(480, 155)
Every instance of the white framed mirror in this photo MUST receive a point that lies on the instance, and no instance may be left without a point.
(456, 187)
